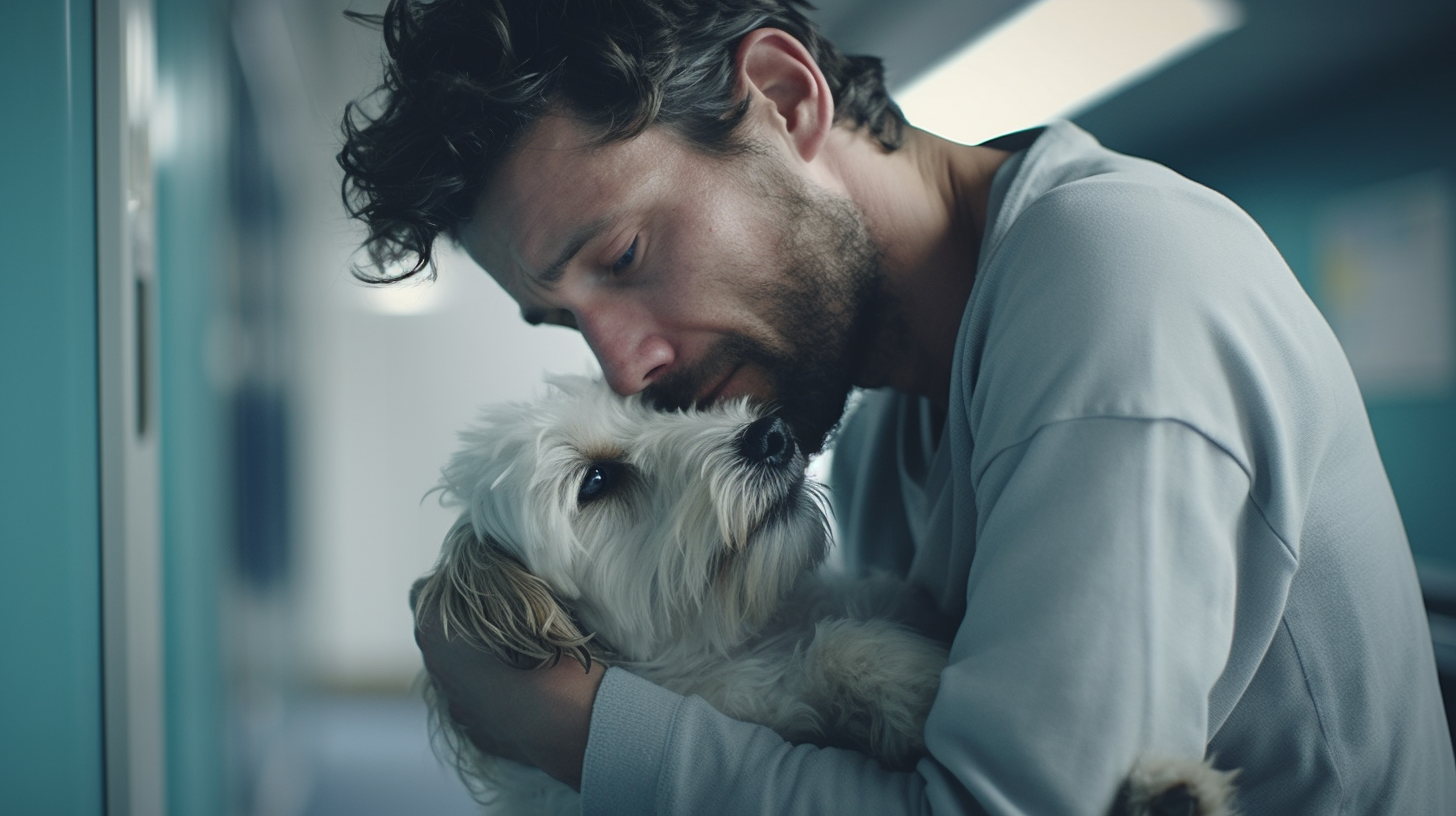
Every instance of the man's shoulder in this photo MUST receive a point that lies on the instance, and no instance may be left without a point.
(1066, 172)
(1106, 233)
(1121, 289)
(1134, 234)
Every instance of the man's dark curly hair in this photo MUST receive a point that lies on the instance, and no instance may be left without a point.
(463, 79)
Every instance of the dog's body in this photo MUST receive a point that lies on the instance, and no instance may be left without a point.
(681, 546)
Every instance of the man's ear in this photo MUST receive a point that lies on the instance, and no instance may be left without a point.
(791, 89)
(481, 592)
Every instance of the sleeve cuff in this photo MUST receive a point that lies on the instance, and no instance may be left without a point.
(631, 727)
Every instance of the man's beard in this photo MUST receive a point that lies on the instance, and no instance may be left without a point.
(826, 309)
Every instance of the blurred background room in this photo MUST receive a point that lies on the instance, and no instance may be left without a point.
(216, 445)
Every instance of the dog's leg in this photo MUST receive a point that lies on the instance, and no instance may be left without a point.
(874, 682)
(878, 595)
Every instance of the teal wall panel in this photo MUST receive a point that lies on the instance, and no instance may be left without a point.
(50, 618)
(192, 165)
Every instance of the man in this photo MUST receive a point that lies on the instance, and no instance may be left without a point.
(1112, 440)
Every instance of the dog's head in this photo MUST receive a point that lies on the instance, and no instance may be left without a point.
(591, 515)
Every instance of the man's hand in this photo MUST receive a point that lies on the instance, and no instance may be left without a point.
(537, 716)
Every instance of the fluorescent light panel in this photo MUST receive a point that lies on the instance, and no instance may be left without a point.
(410, 298)
(1056, 58)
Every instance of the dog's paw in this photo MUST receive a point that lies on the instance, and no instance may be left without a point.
(874, 682)
(1176, 787)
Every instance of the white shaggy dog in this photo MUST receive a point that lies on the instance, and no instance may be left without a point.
(682, 546)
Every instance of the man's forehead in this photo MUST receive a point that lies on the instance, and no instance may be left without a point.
(539, 163)
(541, 191)
(560, 187)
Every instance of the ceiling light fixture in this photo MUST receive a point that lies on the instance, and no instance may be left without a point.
(1056, 58)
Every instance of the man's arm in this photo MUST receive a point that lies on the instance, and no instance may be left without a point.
(1100, 617)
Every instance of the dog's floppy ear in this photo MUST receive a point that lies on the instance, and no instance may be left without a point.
(484, 594)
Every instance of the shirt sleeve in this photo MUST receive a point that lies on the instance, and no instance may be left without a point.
(1099, 616)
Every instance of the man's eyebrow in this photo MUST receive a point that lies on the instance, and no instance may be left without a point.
(553, 273)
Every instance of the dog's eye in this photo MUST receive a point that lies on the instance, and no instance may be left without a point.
(597, 481)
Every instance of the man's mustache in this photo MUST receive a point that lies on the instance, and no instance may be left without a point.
(678, 390)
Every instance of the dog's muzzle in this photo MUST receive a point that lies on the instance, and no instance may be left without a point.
(768, 442)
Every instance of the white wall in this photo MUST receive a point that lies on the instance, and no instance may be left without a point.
(383, 397)
(376, 398)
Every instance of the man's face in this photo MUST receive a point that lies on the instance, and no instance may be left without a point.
(692, 278)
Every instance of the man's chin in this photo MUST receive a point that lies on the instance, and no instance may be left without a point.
(812, 414)
(814, 423)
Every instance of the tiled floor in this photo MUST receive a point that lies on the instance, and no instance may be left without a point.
(370, 756)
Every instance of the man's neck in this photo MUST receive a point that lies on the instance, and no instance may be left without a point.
(926, 206)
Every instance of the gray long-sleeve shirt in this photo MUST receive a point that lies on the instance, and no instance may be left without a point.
(1155, 505)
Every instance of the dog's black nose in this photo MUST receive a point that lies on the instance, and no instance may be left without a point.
(767, 441)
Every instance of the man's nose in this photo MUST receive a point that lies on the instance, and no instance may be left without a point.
(631, 350)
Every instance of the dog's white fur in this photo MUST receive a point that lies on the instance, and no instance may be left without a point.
(693, 568)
